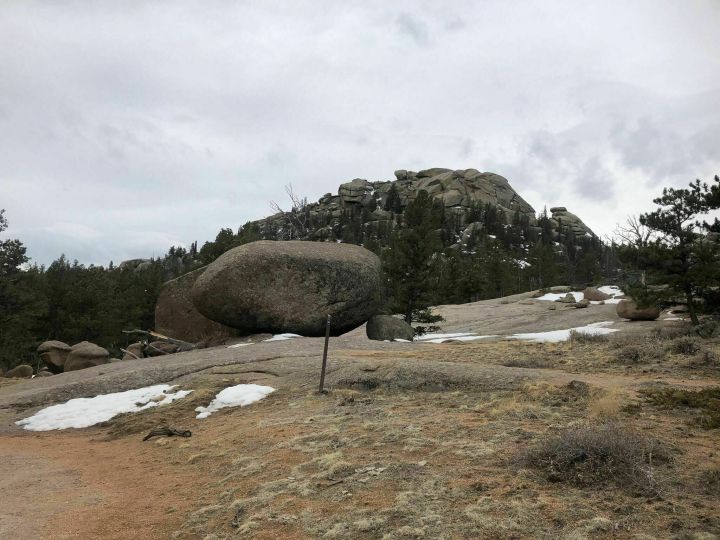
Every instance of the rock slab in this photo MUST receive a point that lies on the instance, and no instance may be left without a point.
(291, 286)
(387, 327)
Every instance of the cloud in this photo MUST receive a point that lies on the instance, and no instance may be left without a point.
(413, 27)
(153, 125)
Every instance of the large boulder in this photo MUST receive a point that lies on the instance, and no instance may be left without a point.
(54, 354)
(387, 327)
(177, 317)
(23, 371)
(595, 295)
(628, 309)
(290, 286)
(84, 355)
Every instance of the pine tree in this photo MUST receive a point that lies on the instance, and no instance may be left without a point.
(409, 260)
(678, 258)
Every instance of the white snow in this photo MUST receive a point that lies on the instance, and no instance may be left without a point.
(554, 336)
(612, 290)
(552, 297)
(401, 340)
(522, 264)
(282, 337)
(237, 345)
(85, 412)
(235, 396)
(442, 338)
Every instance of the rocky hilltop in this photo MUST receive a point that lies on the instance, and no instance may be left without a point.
(378, 204)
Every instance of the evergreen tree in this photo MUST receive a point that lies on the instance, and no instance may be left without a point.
(678, 258)
(408, 262)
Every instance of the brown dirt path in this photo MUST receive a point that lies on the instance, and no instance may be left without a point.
(71, 485)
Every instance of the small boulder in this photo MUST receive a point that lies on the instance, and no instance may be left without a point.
(387, 327)
(134, 351)
(54, 354)
(44, 373)
(595, 295)
(628, 309)
(23, 371)
(582, 303)
(84, 355)
(567, 299)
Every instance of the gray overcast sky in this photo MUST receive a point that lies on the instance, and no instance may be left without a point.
(126, 127)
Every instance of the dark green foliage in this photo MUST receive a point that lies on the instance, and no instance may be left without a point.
(410, 258)
(677, 257)
(71, 302)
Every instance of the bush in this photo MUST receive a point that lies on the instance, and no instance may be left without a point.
(685, 345)
(598, 455)
(640, 353)
(705, 401)
(582, 338)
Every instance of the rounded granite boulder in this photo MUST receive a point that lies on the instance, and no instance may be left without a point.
(628, 309)
(388, 328)
(84, 355)
(291, 286)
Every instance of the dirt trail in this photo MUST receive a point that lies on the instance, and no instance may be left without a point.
(71, 485)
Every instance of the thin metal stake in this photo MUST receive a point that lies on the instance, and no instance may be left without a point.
(324, 363)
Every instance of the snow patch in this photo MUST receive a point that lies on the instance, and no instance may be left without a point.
(86, 412)
(552, 297)
(235, 396)
(442, 338)
(555, 336)
(237, 345)
(282, 337)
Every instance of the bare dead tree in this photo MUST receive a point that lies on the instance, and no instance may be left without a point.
(633, 233)
(297, 218)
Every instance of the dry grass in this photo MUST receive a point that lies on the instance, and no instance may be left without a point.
(704, 403)
(596, 455)
(416, 444)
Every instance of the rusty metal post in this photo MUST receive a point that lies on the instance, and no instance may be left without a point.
(325, 350)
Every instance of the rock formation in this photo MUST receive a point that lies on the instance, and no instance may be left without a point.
(387, 327)
(595, 295)
(628, 309)
(54, 354)
(290, 287)
(459, 191)
(177, 317)
(23, 371)
(84, 355)
(564, 221)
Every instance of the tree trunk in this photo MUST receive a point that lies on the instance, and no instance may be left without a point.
(691, 307)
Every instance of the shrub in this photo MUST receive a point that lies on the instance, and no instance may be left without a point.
(597, 455)
(685, 345)
(639, 353)
(587, 339)
(705, 401)
(709, 480)
(533, 362)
